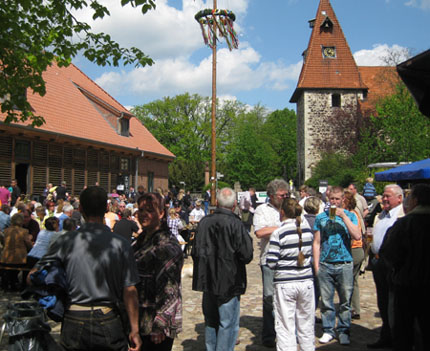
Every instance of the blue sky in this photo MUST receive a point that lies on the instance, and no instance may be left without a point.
(272, 36)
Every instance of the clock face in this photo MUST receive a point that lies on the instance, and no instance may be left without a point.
(329, 52)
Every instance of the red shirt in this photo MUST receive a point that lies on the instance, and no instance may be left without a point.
(4, 196)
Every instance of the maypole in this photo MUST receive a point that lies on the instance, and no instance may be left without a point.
(212, 22)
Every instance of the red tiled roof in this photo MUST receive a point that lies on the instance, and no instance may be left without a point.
(75, 106)
(319, 72)
(381, 81)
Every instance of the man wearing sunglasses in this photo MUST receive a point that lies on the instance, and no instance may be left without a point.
(266, 221)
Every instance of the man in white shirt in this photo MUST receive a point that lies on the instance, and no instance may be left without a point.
(392, 209)
(267, 220)
(197, 213)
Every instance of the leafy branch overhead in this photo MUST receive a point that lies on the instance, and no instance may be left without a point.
(35, 33)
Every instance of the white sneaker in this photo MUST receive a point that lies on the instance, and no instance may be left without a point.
(326, 338)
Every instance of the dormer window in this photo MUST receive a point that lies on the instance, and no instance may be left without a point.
(124, 126)
(327, 24)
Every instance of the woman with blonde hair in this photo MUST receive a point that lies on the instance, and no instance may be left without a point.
(289, 255)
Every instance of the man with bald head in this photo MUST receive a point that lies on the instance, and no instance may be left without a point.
(392, 199)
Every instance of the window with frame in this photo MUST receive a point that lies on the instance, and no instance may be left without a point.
(150, 181)
(335, 100)
(125, 164)
(124, 127)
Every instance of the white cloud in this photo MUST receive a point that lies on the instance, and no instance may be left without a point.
(160, 33)
(237, 71)
(423, 4)
(380, 54)
(171, 36)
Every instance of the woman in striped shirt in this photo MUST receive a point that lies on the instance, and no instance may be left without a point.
(289, 255)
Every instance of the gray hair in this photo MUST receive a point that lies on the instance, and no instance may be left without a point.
(275, 185)
(226, 198)
(67, 208)
(395, 189)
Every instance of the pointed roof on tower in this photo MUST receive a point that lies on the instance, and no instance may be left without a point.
(327, 62)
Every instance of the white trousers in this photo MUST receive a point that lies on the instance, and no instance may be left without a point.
(294, 307)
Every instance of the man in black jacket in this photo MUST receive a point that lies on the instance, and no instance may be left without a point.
(405, 251)
(222, 249)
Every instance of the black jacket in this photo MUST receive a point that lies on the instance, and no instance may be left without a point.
(221, 250)
(405, 249)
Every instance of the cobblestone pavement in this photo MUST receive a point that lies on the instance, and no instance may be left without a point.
(363, 331)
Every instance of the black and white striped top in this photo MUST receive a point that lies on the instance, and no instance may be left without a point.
(284, 249)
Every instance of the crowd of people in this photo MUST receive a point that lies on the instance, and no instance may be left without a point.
(120, 256)
(119, 253)
(313, 245)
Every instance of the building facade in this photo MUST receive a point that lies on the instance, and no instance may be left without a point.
(330, 82)
(88, 138)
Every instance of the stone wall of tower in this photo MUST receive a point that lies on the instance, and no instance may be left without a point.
(313, 111)
(301, 159)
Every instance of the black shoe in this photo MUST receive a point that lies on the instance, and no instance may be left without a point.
(355, 316)
(269, 343)
(380, 344)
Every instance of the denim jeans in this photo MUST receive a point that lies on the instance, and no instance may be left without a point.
(337, 277)
(268, 334)
(93, 330)
(221, 322)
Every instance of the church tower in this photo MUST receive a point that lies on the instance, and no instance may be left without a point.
(329, 81)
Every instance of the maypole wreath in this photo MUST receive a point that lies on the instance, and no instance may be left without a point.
(212, 21)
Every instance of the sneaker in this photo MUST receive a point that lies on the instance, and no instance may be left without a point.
(326, 338)
(344, 339)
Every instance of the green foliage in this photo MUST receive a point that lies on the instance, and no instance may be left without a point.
(336, 168)
(220, 184)
(183, 125)
(402, 133)
(252, 147)
(189, 171)
(398, 133)
(250, 158)
(35, 33)
(280, 130)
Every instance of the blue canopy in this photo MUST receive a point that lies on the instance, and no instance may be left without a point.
(413, 171)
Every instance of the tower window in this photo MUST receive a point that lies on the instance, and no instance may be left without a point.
(335, 100)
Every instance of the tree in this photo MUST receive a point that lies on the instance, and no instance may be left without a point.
(336, 168)
(401, 131)
(280, 129)
(250, 158)
(35, 33)
(183, 125)
(398, 132)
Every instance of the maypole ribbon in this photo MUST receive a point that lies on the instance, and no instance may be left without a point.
(213, 20)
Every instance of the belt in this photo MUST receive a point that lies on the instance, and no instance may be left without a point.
(104, 309)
